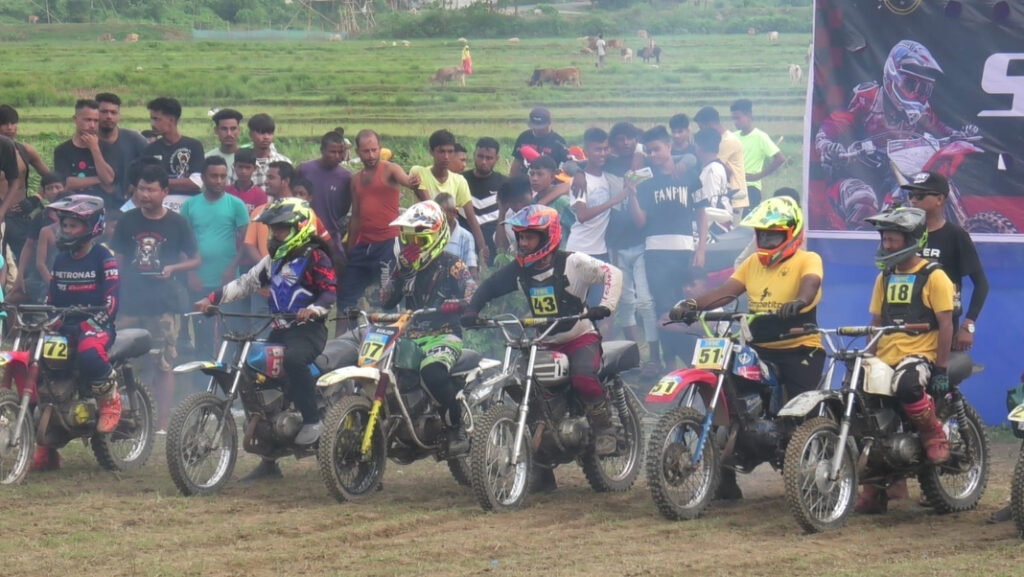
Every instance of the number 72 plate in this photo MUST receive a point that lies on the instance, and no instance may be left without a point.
(709, 354)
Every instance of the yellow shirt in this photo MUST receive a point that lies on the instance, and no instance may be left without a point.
(768, 288)
(455, 185)
(730, 152)
(938, 296)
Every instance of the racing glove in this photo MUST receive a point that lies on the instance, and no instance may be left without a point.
(470, 319)
(452, 307)
(597, 313)
(939, 383)
(684, 310)
(791, 309)
(830, 151)
(967, 131)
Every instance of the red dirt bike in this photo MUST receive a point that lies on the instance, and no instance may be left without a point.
(44, 406)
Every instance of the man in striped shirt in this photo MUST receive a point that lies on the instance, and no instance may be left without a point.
(484, 183)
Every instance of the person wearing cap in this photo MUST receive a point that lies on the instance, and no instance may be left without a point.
(542, 138)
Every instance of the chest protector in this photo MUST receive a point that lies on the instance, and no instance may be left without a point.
(902, 300)
(287, 295)
(550, 297)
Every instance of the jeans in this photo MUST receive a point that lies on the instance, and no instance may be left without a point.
(302, 343)
(365, 262)
(667, 272)
(636, 293)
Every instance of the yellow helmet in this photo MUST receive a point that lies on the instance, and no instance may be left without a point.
(779, 214)
(423, 225)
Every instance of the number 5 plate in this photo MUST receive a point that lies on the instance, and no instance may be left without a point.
(710, 354)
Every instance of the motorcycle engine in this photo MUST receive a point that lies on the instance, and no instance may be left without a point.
(287, 425)
(56, 389)
(572, 431)
(897, 451)
(267, 401)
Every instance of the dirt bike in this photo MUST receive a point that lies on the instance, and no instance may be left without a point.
(905, 155)
(550, 426)
(45, 406)
(866, 438)
(725, 415)
(1017, 484)
(202, 439)
(388, 413)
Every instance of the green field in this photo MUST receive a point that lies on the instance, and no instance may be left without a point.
(312, 87)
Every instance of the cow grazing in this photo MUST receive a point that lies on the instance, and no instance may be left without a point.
(647, 53)
(463, 40)
(405, 43)
(773, 37)
(448, 74)
(796, 74)
(641, 33)
(108, 37)
(335, 38)
(33, 19)
(513, 40)
(131, 38)
(585, 51)
(556, 76)
(751, 31)
(616, 44)
(627, 55)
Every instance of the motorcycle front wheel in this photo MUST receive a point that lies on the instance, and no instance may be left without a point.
(617, 473)
(347, 473)
(16, 446)
(1017, 494)
(498, 484)
(819, 503)
(680, 490)
(201, 450)
(129, 446)
(958, 484)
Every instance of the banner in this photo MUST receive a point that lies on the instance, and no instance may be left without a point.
(902, 86)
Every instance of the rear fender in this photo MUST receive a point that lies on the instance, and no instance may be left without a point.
(671, 388)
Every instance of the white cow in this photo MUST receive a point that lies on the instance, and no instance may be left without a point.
(773, 37)
(796, 74)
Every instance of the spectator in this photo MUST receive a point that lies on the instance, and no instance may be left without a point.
(332, 195)
(714, 180)
(154, 246)
(30, 285)
(483, 186)
(624, 154)
(302, 189)
(243, 187)
(227, 124)
(731, 155)
(371, 238)
(761, 156)
(682, 141)
(19, 209)
(460, 242)
(458, 162)
(219, 221)
(542, 138)
(129, 143)
(601, 46)
(26, 155)
(87, 161)
(548, 190)
(182, 156)
(513, 195)
(261, 133)
(437, 178)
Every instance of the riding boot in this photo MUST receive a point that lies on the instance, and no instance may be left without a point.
(922, 415)
(108, 403)
(872, 501)
(543, 480)
(898, 490)
(602, 428)
(45, 459)
(458, 440)
(264, 471)
(728, 489)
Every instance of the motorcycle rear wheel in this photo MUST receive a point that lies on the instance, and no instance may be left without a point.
(1017, 494)
(953, 491)
(499, 485)
(817, 503)
(459, 468)
(131, 443)
(15, 460)
(680, 491)
(200, 462)
(346, 474)
(617, 473)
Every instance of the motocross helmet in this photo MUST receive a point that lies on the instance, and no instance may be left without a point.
(82, 207)
(542, 219)
(292, 212)
(909, 221)
(423, 225)
(908, 77)
(779, 227)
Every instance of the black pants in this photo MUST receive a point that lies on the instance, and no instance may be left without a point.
(302, 343)
(799, 368)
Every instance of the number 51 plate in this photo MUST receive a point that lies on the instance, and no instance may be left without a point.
(710, 354)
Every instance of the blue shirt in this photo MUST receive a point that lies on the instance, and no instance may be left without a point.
(462, 245)
(215, 224)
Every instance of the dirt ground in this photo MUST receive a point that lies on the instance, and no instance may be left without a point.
(84, 521)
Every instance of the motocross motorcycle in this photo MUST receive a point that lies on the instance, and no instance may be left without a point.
(877, 174)
(1017, 485)
(550, 426)
(40, 402)
(202, 440)
(388, 413)
(865, 438)
(725, 416)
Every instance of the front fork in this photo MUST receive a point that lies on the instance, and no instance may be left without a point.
(844, 426)
(709, 416)
(31, 381)
(524, 407)
(230, 400)
(371, 422)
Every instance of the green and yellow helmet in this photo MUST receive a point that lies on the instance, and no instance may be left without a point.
(778, 224)
(295, 213)
(425, 226)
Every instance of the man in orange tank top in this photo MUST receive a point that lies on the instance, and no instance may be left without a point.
(370, 244)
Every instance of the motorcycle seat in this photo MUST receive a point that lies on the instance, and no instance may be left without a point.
(337, 353)
(959, 367)
(467, 362)
(130, 343)
(618, 357)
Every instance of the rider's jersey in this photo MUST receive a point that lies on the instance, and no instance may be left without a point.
(447, 277)
(867, 116)
(92, 280)
(915, 295)
(768, 288)
(548, 294)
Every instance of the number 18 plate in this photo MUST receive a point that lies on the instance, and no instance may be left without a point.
(710, 354)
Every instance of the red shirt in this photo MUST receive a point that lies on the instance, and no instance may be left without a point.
(252, 198)
(378, 207)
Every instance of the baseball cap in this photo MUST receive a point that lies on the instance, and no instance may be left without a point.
(539, 117)
(930, 181)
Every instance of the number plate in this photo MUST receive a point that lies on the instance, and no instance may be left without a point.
(374, 344)
(55, 347)
(542, 299)
(901, 286)
(666, 387)
(710, 354)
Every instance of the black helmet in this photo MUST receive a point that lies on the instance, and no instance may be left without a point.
(85, 208)
(295, 213)
(911, 222)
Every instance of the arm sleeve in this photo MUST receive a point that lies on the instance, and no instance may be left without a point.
(970, 264)
(320, 277)
(254, 279)
(390, 291)
(502, 282)
(593, 271)
(111, 290)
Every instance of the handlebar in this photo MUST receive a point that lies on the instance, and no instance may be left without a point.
(47, 314)
(860, 331)
(217, 311)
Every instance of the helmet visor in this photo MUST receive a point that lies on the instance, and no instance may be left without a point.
(418, 239)
(915, 88)
(768, 239)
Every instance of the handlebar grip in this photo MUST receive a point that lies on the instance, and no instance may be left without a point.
(854, 331)
(917, 327)
(535, 322)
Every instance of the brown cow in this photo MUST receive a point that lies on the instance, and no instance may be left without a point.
(615, 44)
(556, 76)
(648, 52)
(447, 74)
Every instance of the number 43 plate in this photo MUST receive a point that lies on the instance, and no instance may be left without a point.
(710, 354)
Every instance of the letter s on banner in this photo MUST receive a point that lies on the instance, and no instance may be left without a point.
(995, 80)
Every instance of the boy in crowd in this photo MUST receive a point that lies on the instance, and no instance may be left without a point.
(513, 196)
(460, 243)
(227, 126)
(261, 133)
(182, 156)
(550, 191)
(244, 188)
(30, 282)
(761, 156)
(483, 185)
(714, 178)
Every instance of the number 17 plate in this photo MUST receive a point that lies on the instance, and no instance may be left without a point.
(710, 354)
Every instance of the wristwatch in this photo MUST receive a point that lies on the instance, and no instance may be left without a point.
(969, 327)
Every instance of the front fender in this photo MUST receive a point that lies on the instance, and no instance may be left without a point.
(802, 404)
(14, 358)
(369, 374)
(208, 367)
(672, 385)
